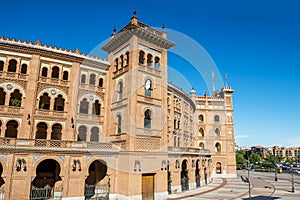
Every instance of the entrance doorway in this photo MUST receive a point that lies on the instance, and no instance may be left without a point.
(47, 175)
(219, 168)
(197, 174)
(97, 182)
(184, 176)
(148, 187)
(169, 179)
(2, 183)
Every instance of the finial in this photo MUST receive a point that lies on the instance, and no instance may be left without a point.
(163, 27)
(192, 88)
(114, 32)
(134, 13)
(38, 43)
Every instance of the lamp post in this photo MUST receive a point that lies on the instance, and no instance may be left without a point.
(249, 184)
(292, 174)
(275, 163)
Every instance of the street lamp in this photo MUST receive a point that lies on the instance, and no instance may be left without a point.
(249, 184)
(292, 174)
(275, 163)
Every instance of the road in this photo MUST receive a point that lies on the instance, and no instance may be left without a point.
(263, 187)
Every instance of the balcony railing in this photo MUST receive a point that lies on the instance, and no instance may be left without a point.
(54, 81)
(188, 150)
(13, 75)
(11, 110)
(88, 117)
(54, 144)
(51, 113)
(93, 88)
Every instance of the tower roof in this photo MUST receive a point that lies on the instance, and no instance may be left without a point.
(140, 29)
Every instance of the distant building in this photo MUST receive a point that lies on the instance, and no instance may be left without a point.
(287, 152)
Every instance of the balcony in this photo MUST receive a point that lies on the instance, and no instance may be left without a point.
(118, 137)
(13, 75)
(88, 117)
(92, 88)
(11, 110)
(120, 71)
(188, 150)
(51, 113)
(53, 81)
(44, 144)
(150, 69)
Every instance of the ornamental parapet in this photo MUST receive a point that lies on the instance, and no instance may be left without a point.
(188, 150)
(40, 144)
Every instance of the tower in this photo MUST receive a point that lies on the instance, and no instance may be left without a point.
(138, 86)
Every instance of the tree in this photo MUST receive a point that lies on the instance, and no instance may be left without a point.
(254, 158)
(239, 160)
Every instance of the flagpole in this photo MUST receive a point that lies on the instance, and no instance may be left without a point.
(213, 81)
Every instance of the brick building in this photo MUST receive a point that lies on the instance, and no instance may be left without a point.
(75, 126)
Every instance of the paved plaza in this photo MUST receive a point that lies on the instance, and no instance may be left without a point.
(263, 186)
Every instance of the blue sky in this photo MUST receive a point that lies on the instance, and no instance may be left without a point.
(256, 42)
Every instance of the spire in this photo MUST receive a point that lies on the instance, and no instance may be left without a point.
(193, 92)
(114, 32)
(134, 19)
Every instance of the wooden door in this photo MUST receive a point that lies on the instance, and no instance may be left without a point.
(148, 187)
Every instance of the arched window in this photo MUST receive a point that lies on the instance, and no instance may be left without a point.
(84, 106)
(96, 108)
(217, 118)
(12, 66)
(201, 118)
(117, 64)
(94, 134)
(83, 78)
(149, 60)
(219, 168)
(147, 119)
(121, 61)
(1, 65)
(2, 96)
(120, 91)
(45, 72)
(56, 132)
(141, 57)
(55, 72)
(15, 98)
(201, 132)
(201, 145)
(217, 132)
(127, 58)
(175, 140)
(65, 75)
(156, 60)
(24, 69)
(11, 129)
(82, 133)
(148, 88)
(100, 82)
(119, 124)
(59, 103)
(44, 102)
(92, 79)
(218, 147)
(41, 131)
